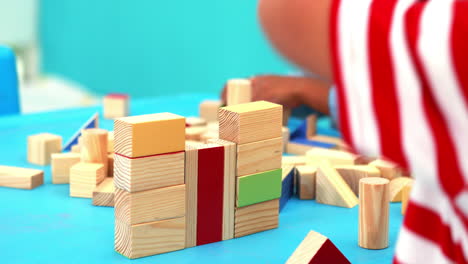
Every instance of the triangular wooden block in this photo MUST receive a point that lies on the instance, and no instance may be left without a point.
(317, 249)
(331, 189)
(396, 188)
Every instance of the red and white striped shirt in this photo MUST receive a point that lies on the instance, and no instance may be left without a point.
(401, 70)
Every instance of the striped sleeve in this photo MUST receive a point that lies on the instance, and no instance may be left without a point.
(401, 71)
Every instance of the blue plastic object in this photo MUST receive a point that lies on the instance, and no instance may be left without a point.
(9, 98)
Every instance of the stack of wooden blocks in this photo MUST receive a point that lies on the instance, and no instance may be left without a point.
(256, 128)
(150, 184)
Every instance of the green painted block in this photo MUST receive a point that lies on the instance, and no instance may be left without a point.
(257, 188)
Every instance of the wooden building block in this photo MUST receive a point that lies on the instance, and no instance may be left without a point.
(61, 164)
(41, 146)
(94, 147)
(20, 178)
(84, 178)
(396, 188)
(146, 135)
(285, 135)
(110, 142)
(306, 182)
(295, 160)
(317, 249)
(239, 91)
(335, 157)
(191, 181)
(103, 194)
(256, 218)
(363, 160)
(110, 165)
(311, 125)
(209, 110)
(210, 193)
(230, 158)
(330, 140)
(251, 122)
(92, 122)
(374, 206)
(149, 206)
(405, 196)
(194, 133)
(136, 241)
(286, 114)
(331, 189)
(259, 156)
(194, 121)
(209, 135)
(115, 105)
(287, 184)
(76, 149)
(297, 148)
(352, 174)
(257, 188)
(388, 169)
(147, 173)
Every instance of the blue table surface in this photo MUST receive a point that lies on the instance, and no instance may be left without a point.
(45, 225)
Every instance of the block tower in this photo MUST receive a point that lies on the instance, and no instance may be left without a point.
(256, 128)
(150, 185)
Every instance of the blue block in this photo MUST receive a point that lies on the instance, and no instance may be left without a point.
(9, 95)
(287, 188)
(93, 122)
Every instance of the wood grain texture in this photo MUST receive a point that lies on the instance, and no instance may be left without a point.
(94, 147)
(149, 206)
(256, 218)
(250, 122)
(405, 196)
(136, 241)
(331, 189)
(147, 173)
(145, 135)
(110, 142)
(311, 125)
(84, 178)
(230, 158)
(335, 157)
(239, 91)
(115, 107)
(41, 146)
(285, 135)
(191, 182)
(295, 160)
(298, 149)
(352, 174)
(209, 110)
(287, 184)
(396, 188)
(210, 193)
(317, 249)
(61, 164)
(208, 135)
(259, 187)
(194, 121)
(103, 194)
(306, 182)
(259, 156)
(388, 170)
(374, 203)
(20, 178)
(110, 165)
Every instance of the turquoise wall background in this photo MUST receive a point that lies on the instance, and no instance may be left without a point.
(154, 47)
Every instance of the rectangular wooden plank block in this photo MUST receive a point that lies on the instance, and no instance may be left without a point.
(257, 188)
(147, 173)
(295, 160)
(149, 206)
(210, 193)
(61, 164)
(256, 218)
(250, 122)
(103, 194)
(20, 178)
(259, 156)
(146, 135)
(191, 180)
(136, 241)
(306, 182)
(84, 178)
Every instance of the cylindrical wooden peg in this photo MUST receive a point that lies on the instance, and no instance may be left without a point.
(94, 147)
(374, 202)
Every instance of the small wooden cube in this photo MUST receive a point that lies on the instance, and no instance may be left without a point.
(84, 178)
(209, 110)
(259, 156)
(61, 164)
(306, 179)
(41, 146)
(115, 105)
(146, 173)
(146, 135)
(136, 241)
(20, 178)
(239, 91)
(256, 218)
